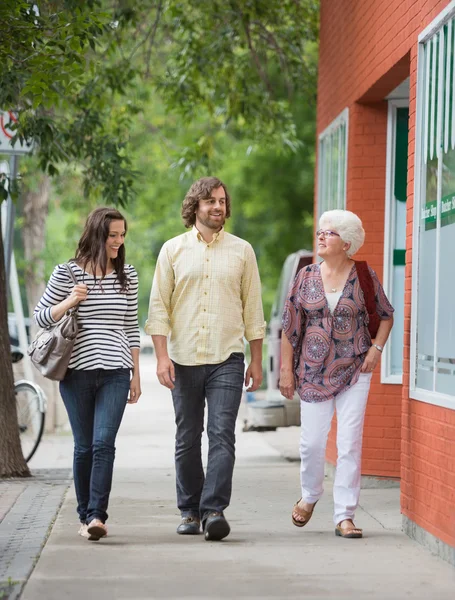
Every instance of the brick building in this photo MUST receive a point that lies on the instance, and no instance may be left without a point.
(386, 150)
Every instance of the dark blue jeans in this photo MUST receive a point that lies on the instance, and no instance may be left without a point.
(221, 385)
(95, 401)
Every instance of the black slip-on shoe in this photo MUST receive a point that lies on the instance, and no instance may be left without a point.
(216, 527)
(189, 526)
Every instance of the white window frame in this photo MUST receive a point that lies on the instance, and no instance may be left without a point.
(342, 118)
(430, 397)
(390, 226)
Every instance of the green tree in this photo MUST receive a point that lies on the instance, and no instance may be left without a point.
(272, 200)
(273, 195)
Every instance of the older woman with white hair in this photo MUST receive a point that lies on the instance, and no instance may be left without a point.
(328, 356)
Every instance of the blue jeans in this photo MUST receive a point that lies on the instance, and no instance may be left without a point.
(221, 385)
(95, 401)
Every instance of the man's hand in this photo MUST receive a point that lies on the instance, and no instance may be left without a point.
(287, 383)
(166, 372)
(253, 372)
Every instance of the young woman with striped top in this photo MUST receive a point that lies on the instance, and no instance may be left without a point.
(103, 373)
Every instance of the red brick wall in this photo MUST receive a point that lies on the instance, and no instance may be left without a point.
(361, 40)
(428, 468)
(367, 48)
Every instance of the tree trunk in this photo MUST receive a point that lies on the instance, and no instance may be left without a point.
(36, 210)
(12, 463)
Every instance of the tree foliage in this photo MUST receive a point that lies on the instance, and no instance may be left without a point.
(231, 92)
(54, 76)
(65, 62)
(272, 199)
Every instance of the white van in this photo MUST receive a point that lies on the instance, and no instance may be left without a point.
(275, 411)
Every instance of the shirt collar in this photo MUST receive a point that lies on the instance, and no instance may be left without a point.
(216, 236)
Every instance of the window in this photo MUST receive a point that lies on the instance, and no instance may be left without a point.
(395, 240)
(433, 318)
(332, 164)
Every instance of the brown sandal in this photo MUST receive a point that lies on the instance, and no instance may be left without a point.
(348, 532)
(306, 514)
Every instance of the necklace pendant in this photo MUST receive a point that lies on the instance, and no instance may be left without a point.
(334, 290)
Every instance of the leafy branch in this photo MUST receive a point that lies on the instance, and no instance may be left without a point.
(67, 65)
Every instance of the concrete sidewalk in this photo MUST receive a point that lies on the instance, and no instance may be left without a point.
(264, 557)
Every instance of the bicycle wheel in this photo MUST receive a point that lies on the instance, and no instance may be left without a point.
(30, 417)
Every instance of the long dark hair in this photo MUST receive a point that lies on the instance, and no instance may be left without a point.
(91, 249)
(201, 190)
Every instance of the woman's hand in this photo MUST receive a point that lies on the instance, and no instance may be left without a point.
(371, 360)
(135, 389)
(287, 383)
(78, 294)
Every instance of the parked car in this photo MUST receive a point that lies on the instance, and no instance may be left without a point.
(275, 411)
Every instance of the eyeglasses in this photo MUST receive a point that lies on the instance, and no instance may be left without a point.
(327, 234)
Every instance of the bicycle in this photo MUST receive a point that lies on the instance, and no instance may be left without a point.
(31, 407)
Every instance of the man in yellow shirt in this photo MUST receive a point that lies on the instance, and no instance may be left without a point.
(205, 299)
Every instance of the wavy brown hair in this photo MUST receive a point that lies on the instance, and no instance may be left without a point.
(91, 250)
(202, 190)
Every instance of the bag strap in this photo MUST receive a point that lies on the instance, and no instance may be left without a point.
(367, 285)
(75, 281)
(72, 275)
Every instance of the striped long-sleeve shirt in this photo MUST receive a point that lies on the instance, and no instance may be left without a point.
(108, 325)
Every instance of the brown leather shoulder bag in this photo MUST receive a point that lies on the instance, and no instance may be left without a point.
(50, 351)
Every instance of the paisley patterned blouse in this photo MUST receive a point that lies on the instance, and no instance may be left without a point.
(329, 349)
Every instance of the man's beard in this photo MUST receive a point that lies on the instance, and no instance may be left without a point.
(212, 224)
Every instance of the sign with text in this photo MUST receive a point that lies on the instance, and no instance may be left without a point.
(448, 210)
(429, 212)
(7, 120)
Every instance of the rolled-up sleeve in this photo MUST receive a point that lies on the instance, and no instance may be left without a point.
(158, 321)
(131, 323)
(383, 307)
(253, 312)
(58, 288)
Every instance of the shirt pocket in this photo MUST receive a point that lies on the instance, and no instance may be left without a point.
(234, 269)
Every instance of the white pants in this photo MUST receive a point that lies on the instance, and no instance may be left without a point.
(315, 426)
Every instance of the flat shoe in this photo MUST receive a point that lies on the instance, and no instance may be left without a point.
(216, 527)
(305, 514)
(189, 526)
(97, 530)
(83, 531)
(348, 532)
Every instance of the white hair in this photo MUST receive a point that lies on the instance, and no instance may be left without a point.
(348, 225)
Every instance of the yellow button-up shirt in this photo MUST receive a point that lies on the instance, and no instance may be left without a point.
(206, 297)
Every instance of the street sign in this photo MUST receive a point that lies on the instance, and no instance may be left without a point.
(8, 118)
